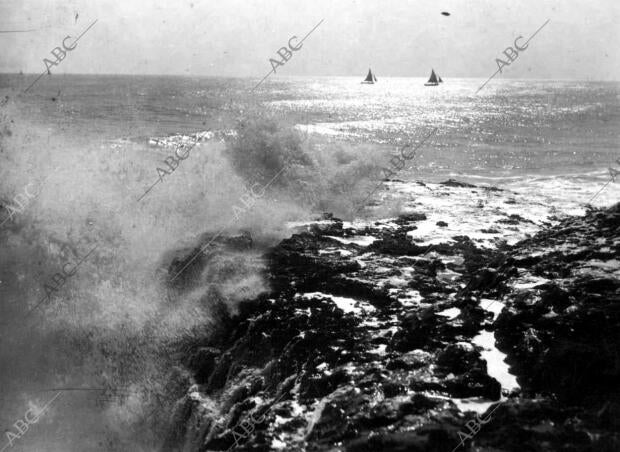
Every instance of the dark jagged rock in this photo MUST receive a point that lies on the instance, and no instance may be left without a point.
(203, 363)
(370, 349)
(397, 244)
(298, 259)
(456, 183)
(514, 219)
(185, 267)
(409, 218)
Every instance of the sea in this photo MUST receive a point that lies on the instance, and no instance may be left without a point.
(85, 156)
(511, 130)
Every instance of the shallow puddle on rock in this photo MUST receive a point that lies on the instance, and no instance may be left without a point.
(496, 366)
(450, 313)
(491, 305)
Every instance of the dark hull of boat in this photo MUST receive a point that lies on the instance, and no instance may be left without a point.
(367, 83)
(431, 84)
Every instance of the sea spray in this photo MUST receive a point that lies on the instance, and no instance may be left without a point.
(117, 321)
(319, 176)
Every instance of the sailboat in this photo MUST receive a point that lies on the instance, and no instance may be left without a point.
(370, 78)
(433, 80)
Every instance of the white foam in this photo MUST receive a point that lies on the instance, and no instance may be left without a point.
(476, 404)
(361, 240)
(529, 282)
(344, 253)
(277, 444)
(411, 298)
(378, 350)
(344, 303)
(295, 224)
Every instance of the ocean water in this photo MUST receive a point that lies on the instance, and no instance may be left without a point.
(510, 129)
(88, 145)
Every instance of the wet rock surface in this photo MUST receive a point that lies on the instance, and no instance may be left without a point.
(369, 341)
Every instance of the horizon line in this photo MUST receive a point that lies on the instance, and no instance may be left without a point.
(294, 75)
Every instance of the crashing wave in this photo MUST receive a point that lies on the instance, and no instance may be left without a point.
(180, 139)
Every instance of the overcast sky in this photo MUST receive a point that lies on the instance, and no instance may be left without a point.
(237, 37)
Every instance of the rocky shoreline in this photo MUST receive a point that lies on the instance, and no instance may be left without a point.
(370, 341)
